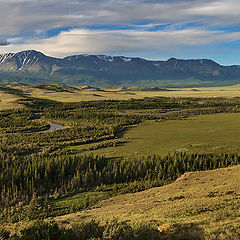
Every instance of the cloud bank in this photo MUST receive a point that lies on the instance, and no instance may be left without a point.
(24, 16)
(59, 27)
(78, 41)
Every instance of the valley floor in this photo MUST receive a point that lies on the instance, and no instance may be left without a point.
(216, 133)
(99, 165)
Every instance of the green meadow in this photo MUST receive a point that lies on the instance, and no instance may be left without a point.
(206, 133)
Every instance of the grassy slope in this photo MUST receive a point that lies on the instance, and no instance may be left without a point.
(210, 199)
(62, 205)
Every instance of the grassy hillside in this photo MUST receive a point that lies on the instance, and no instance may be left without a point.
(209, 199)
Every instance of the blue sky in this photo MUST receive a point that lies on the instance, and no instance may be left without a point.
(149, 29)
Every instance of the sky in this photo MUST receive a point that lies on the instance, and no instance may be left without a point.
(149, 29)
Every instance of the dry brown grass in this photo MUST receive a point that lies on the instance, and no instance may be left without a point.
(83, 94)
(9, 101)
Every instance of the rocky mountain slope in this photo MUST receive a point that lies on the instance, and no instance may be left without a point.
(33, 67)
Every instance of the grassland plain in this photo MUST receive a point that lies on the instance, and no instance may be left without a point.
(66, 94)
(207, 133)
(210, 199)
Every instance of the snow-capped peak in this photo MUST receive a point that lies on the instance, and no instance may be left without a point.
(105, 58)
(125, 59)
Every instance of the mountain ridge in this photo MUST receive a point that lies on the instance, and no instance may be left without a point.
(33, 67)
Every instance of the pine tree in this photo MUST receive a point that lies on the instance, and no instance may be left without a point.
(33, 209)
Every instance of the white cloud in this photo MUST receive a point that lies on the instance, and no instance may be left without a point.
(20, 17)
(79, 41)
(25, 22)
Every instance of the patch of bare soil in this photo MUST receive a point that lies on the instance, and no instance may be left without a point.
(184, 177)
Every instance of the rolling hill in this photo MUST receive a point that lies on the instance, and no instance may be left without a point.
(209, 200)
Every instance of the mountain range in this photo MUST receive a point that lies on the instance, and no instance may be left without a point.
(32, 67)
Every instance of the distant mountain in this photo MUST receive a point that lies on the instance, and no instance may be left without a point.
(32, 67)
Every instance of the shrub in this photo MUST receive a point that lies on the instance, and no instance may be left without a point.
(4, 234)
(231, 233)
(87, 230)
(180, 232)
(145, 232)
(115, 230)
(47, 231)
